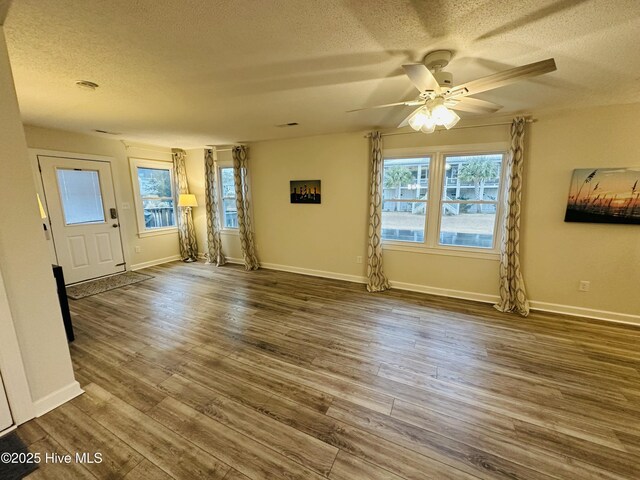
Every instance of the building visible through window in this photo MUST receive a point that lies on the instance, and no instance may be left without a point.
(457, 208)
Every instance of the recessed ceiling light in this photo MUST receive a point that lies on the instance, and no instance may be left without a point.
(87, 84)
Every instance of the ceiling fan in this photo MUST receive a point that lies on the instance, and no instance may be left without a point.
(438, 97)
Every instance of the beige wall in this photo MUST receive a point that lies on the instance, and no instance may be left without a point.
(325, 237)
(556, 255)
(24, 260)
(152, 248)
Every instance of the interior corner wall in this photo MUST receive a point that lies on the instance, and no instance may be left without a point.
(325, 239)
(24, 258)
(153, 249)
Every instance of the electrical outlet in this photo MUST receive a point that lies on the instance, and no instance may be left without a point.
(359, 259)
(138, 249)
(584, 285)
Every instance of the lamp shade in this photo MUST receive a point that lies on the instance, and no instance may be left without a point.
(187, 200)
(43, 214)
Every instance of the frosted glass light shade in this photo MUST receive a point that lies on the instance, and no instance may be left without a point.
(187, 200)
(419, 119)
(429, 126)
(453, 119)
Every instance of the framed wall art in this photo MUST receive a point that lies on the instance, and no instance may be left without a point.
(604, 195)
(305, 191)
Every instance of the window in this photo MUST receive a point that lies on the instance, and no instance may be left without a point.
(470, 200)
(80, 196)
(440, 200)
(228, 197)
(404, 201)
(155, 197)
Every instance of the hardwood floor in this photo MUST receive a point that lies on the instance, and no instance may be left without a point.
(218, 373)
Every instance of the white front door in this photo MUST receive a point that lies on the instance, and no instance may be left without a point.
(84, 221)
(5, 414)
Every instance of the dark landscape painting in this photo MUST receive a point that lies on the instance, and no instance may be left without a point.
(305, 191)
(604, 195)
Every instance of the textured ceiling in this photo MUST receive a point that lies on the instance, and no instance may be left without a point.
(194, 72)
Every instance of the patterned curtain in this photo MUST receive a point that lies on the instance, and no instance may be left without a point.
(377, 280)
(244, 211)
(186, 231)
(214, 244)
(513, 296)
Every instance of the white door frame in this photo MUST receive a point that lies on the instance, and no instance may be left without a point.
(12, 367)
(34, 153)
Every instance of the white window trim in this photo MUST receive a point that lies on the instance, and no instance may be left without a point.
(224, 230)
(434, 203)
(134, 163)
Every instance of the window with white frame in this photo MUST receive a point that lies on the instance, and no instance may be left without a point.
(441, 200)
(404, 202)
(155, 196)
(228, 198)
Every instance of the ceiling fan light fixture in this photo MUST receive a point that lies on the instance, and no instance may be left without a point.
(429, 126)
(440, 113)
(420, 118)
(453, 119)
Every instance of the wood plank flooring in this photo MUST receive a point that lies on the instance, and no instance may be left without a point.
(218, 373)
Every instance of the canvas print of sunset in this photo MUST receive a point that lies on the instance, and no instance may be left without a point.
(604, 195)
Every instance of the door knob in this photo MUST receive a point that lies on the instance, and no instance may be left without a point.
(115, 225)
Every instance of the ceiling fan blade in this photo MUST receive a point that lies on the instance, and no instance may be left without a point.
(505, 77)
(473, 105)
(421, 77)
(410, 103)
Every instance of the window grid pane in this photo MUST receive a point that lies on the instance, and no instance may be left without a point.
(404, 221)
(156, 192)
(228, 195)
(405, 189)
(472, 177)
(471, 186)
(80, 196)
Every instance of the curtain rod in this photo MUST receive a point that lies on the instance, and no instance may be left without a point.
(528, 120)
(157, 150)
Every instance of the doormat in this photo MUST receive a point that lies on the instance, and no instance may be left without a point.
(86, 289)
(12, 445)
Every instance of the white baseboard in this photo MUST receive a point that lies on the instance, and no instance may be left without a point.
(586, 312)
(57, 398)
(152, 263)
(314, 273)
(461, 294)
(445, 292)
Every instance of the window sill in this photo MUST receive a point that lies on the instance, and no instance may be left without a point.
(156, 232)
(230, 231)
(451, 252)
